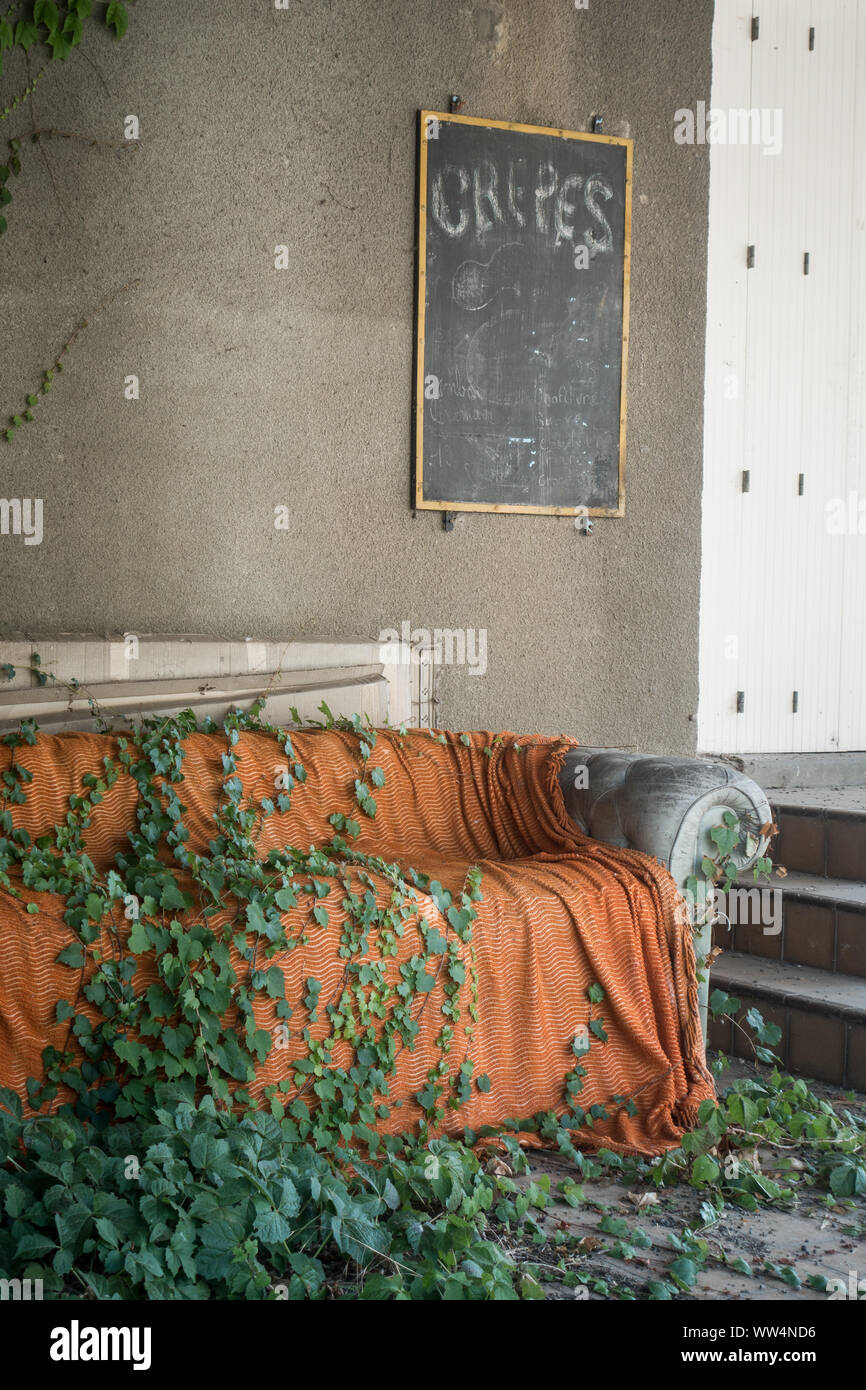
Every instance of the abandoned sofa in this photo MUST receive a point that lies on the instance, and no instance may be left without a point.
(581, 955)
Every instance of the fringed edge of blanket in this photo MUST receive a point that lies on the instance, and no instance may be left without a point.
(684, 1111)
(555, 759)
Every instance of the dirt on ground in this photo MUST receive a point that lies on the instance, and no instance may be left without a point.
(816, 1236)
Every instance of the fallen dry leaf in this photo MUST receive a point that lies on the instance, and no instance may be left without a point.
(588, 1244)
(773, 1163)
(643, 1199)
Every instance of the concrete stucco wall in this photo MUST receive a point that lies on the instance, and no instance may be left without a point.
(262, 387)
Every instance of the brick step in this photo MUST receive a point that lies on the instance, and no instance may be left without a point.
(822, 1016)
(821, 832)
(802, 919)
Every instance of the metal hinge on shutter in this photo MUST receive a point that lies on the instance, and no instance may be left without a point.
(756, 27)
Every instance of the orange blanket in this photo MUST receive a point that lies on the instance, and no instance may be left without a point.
(560, 912)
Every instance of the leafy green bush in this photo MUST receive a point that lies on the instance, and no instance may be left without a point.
(195, 1202)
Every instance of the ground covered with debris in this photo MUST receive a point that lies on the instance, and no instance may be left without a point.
(616, 1234)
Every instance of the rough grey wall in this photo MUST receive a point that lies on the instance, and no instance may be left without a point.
(262, 387)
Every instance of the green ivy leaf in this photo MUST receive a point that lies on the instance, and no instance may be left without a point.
(73, 29)
(116, 18)
(767, 1033)
(59, 45)
(724, 839)
(437, 945)
(26, 34)
(34, 1246)
(45, 12)
(659, 1291)
(704, 1170)
(684, 1272)
(276, 984)
(94, 906)
(139, 941)
(614, 1226)
(72, 955)
(723, 1004)
(173, 899)
(16, 1201)
(108, 1231)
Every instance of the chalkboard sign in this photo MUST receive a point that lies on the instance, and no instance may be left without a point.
(523, 278)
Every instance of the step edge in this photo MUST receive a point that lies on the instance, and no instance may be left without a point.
(835, 895)
(775, 991)
(821, 812)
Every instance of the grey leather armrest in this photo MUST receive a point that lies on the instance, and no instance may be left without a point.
(665, 807)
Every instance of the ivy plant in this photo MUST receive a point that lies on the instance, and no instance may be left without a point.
(162, 1175)
(49, 31)
(147, 1168)
(735, 838)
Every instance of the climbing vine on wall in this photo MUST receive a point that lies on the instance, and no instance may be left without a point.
(47, 31)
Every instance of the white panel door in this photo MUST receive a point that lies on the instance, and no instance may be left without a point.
(852, 705)
(783, 595)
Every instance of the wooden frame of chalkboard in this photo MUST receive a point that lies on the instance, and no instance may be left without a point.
(476, 452)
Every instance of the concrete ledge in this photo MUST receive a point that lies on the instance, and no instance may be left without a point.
(803, 986)
(800, 770)
(137, 674)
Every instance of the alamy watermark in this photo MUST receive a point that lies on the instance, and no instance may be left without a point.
(854, 1289)
(739, 907)
(22, 516)
(442, 646)
(20, 1289)
(77, 1343)
(732, 126)
(845, 516)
